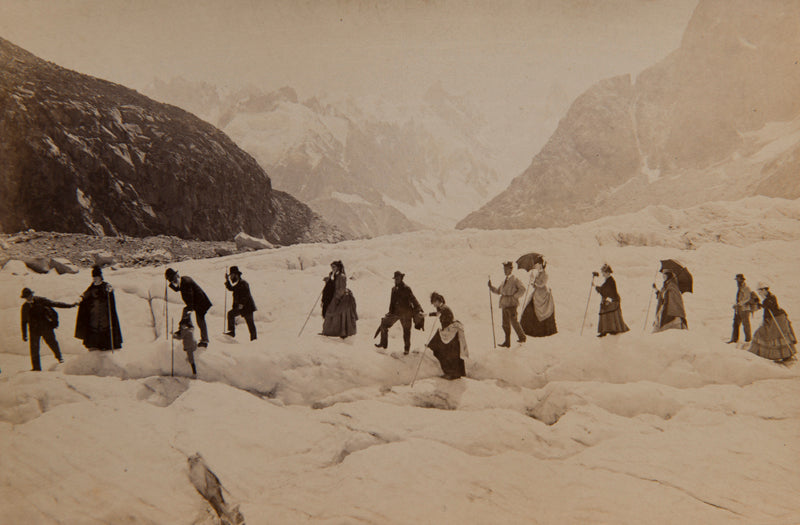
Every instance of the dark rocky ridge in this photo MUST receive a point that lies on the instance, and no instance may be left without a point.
(80, 154)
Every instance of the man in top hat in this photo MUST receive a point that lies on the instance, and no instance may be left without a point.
(511, 291)
(741, 310)
(38, 321)
(403, 306)
(243, 303)
(195, 300)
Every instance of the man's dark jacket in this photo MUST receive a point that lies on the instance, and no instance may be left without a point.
(193, 296)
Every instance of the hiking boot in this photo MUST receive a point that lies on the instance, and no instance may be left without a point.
(505, 344)
(229, 334)
(202, 344)
(378, 345)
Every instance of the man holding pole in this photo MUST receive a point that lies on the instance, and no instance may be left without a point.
(195, 300)
(511, 291)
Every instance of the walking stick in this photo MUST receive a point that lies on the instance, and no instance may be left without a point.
(172, 350)
(646, 315)
(585, 313)
(422, 354)
(225, 313)
(311, 312)
(110, 326)
(166, 312)
(491, 310)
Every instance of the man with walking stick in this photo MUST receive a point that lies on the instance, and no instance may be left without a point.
(511, 291)
(243, 304)
(195, 300)
(97, 324)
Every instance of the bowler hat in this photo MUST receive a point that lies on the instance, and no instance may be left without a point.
(739, 277)
(26, 292)
(234, 270)
(170, 274)
(399, 274)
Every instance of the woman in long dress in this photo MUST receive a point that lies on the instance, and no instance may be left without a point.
(610, 321)
(670, 313)
(97, 324)
(338, 304)
(539, 313)
(449, 344)
(775, 338)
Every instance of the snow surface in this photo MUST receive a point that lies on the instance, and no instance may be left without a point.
(676, 427)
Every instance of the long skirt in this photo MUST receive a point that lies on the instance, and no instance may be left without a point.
(340, 317)
(449, 356)
(533, 327)
(774, 341)
(611, 321)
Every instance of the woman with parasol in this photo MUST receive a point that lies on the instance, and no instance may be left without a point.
(670, 313)
(539, 312)
(775, 338)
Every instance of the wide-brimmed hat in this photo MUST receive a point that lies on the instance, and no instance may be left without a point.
(26, 292)
(234, 270)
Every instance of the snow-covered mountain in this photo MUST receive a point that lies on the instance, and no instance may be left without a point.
(369, 166)
(673, 427)
(717, 119)
(84, 155)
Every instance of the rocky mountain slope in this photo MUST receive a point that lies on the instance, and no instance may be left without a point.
(718, 119)
(84, 155)
(369, 166)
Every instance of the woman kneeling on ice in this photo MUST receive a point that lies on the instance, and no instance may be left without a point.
(775, 338)
(449, 344)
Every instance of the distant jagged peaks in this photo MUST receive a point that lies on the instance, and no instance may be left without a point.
(718, 119)
(85, 155)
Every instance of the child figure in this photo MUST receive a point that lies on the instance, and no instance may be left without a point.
(187, 337)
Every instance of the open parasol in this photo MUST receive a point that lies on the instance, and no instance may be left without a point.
(681, 273)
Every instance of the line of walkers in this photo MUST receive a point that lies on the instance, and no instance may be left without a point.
(97, 324)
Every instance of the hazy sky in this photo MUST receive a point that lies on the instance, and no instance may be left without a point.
(479, 46)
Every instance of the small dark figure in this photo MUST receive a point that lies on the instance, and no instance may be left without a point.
(510, 292)
(243, 304)
(775, 338)
(670, 313)
(610, 321)
(403, 307)
(449, 345)
(746, 302)
(38, 321)
(186, 332)
(194, 298)
(97, 324)
(538, 317)
(338, 304)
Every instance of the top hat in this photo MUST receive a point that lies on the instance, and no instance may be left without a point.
(97, 271)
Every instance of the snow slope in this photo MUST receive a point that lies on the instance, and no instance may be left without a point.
(676, 427)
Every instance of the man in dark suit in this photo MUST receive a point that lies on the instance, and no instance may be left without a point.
(402, 307)
(195, 300)
(38, 322)
(243, 303)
